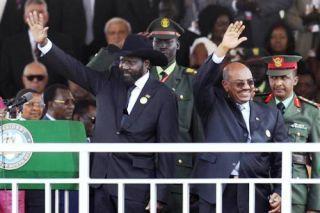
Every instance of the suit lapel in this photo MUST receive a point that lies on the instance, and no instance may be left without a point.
(237, 113)
(143, 100)
(121, 98)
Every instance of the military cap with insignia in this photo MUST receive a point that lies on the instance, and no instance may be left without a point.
(279, 65)
(164, 28)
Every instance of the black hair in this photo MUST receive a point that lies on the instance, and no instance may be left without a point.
(82, 106)
(208, 17)
(51, 92)
(291, 43)
(24, 91)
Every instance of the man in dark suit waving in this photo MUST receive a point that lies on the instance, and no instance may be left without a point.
(229, 115)
(131, 107)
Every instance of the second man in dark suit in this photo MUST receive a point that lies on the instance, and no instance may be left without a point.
(229, 115)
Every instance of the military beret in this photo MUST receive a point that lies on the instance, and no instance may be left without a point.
(164, 28)
(279, 65)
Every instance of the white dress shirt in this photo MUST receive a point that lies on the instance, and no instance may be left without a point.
(2, 7)
(137, 90)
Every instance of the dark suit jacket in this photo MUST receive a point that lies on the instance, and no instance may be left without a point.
(16, 54)
(153, 122)
(223, 122)
(68, 17)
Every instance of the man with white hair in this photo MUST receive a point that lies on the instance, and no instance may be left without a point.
(116, 31)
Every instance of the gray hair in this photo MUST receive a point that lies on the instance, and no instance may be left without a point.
(117, 20)
(39, 2)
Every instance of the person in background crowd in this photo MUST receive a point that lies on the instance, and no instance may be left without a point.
(258, 15)
(304, 18)
(33, 109)
(302, 118)
(280, 40)
(200, 50)
(59, 103)
(116, 31)
(213, 22)
(306, 86)
(20, 50)
(234, 117)
(59, 106)
(85, 111)
(35, 77)
(78, 92)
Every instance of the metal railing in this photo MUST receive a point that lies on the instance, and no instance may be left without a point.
(84, 179)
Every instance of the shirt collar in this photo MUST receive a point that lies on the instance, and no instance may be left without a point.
(50, 117)
(169, 69)
(245, 106)
(32, 41)
(142, 80)
(287, 101)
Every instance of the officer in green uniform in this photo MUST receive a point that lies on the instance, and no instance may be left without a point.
(302, 118)
(165, 33)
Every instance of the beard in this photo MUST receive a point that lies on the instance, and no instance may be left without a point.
(129, 76)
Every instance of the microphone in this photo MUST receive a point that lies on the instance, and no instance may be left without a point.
(20, 101)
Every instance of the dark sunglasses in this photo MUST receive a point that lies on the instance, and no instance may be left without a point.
(38, 77)
(242, 83)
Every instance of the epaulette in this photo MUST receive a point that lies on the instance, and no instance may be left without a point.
(191, 71)
(309, 102)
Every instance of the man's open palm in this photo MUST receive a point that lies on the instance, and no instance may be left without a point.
(36, 26)
(231, 37)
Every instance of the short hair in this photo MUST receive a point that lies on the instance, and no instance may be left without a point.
(29, 2)
(25, 91)
(117, 20)
(82, 106)
(209, 16)
(51, 92)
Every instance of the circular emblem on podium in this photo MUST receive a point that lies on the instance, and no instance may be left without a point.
(12, 133)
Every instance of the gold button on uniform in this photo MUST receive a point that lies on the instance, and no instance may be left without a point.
(298, 134)
(180, 161)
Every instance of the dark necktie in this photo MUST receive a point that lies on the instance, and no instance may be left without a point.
(281, 107)
(125, 114)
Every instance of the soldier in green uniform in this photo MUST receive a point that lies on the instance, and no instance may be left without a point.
(165, 33)
(302, 118)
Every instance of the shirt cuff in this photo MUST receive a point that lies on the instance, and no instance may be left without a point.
(46, 48)
(217, 59)
(234, 5)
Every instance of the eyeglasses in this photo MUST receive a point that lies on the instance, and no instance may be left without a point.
(66, 102)
(242, 83)
(32, 77)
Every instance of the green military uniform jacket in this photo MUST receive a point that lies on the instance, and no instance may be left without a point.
(190, 127)
(302, 118)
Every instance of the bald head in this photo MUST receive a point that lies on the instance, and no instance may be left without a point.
(236, 70)
(35, 76)
(238, 82)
